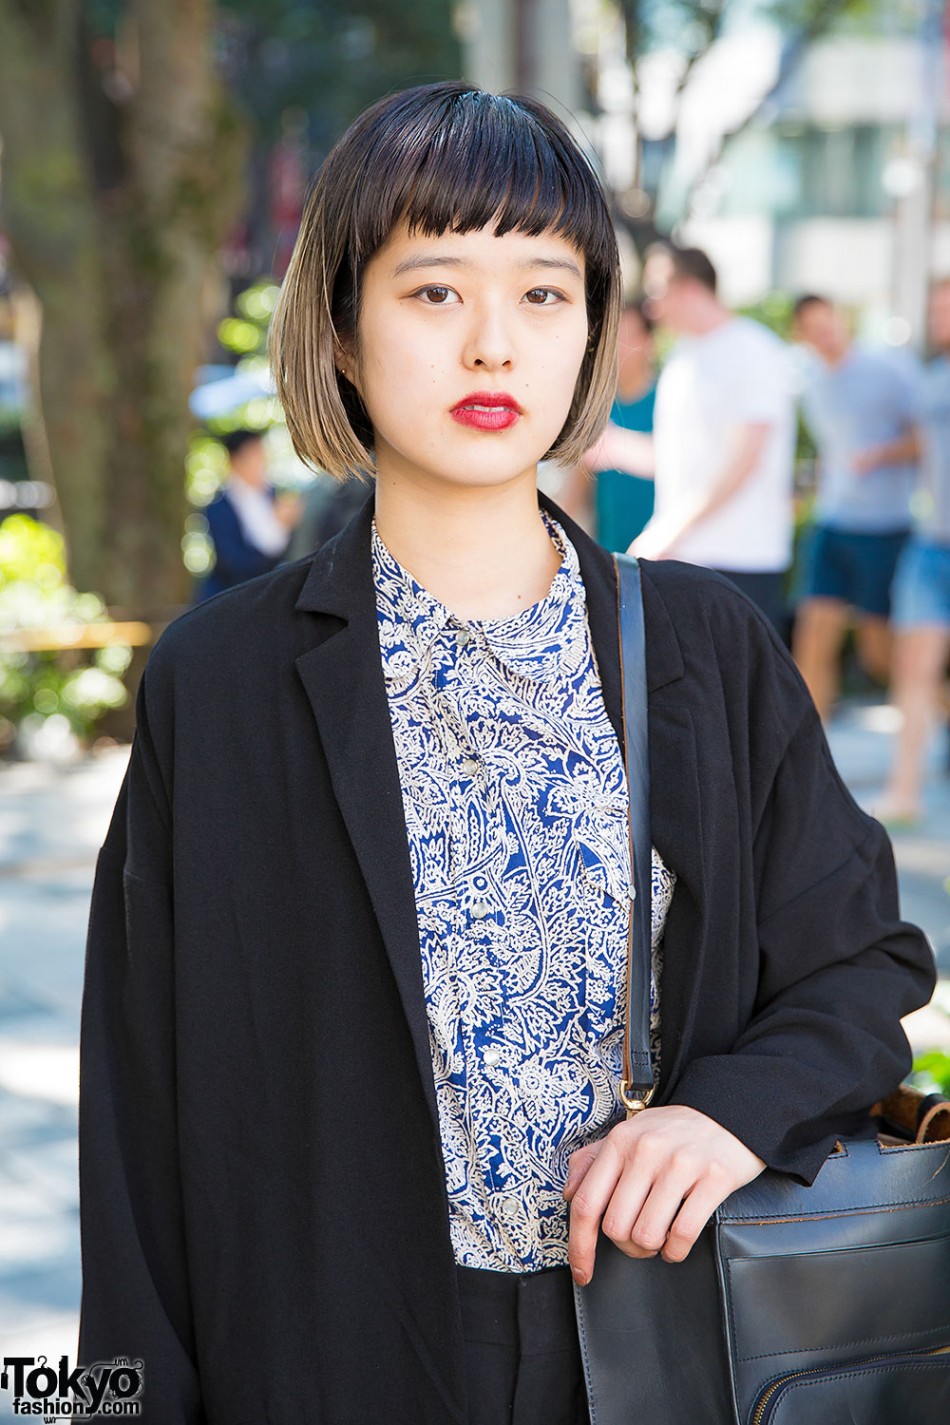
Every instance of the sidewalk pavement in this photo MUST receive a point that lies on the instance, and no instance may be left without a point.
(52, 821)
(861, 738)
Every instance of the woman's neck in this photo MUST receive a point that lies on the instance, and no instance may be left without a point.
(483, 552)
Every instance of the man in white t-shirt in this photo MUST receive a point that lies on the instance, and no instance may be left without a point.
(723, 441)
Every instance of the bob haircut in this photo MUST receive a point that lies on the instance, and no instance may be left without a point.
(440, 157)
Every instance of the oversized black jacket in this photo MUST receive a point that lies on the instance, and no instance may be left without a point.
(263, 1203)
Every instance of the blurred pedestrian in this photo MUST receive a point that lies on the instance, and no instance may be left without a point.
(249, 523)
(921, 593)
(861, 408)
(353, 1068)
(622, 498)
(723, 435)
(326, 507)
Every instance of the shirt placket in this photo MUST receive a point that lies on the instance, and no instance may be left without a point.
(481, 913)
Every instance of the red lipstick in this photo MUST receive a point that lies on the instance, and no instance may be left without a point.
(487, 410)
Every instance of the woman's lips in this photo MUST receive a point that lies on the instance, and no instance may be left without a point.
(486, 410)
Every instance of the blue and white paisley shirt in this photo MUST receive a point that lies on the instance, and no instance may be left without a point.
(515, 800)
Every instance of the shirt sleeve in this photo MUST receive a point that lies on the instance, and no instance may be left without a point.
(838, 968)
(135, 1299)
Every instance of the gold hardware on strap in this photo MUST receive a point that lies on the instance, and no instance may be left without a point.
(634, 1103)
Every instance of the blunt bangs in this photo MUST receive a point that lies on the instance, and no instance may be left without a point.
(473, 159)
(439, 158)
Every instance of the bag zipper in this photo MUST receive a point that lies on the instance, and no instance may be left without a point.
(776, 1385)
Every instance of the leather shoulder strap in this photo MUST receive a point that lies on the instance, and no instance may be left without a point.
(637, 1086)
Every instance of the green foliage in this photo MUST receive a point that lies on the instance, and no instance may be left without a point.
(932, 1071)
(860, 16)
(244, 333)
(30, 550)
(775, 312)
(329, 60)
(317, 56)
(205, 468)
(73, 685)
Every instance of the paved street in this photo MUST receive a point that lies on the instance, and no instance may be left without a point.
(51, 823)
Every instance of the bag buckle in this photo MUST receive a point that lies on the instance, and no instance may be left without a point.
(634, 1100)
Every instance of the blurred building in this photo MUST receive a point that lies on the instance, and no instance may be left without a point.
(525, 45)
(837, 181)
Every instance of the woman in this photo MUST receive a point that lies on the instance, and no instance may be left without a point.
(622, 502)
(357, 953)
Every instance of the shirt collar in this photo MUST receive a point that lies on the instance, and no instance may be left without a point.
(548, 638)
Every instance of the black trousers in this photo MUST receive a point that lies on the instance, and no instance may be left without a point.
(767, 590)
(522, 1358)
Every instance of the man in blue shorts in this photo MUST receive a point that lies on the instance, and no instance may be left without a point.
(861, 408)
(922, 583)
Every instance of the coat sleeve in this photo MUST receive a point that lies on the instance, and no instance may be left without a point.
(135, 1278)
(837, 967)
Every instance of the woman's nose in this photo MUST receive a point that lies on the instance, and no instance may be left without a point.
(489, 344)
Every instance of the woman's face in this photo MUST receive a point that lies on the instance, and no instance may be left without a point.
(468, 352)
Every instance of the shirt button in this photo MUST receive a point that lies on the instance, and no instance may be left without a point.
(470, 767)
(464, 637)
(511, 1207)
(480, 909)
(491, 1056)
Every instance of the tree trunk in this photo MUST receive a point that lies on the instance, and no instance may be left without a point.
(115, 203)
(50, 215)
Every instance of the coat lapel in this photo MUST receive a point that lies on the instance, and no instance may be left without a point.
(343, 679)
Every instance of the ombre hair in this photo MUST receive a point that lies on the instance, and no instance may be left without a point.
(439, 158)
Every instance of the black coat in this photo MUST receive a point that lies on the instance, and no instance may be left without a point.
(263, 1200)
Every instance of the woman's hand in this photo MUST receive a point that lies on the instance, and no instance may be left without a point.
(654, 1181)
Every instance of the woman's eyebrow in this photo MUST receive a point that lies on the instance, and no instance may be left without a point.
(565, 264)
(434, 259)
(428, 259)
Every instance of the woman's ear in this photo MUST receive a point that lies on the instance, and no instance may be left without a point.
(345, 362)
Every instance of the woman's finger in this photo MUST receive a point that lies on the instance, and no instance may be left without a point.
(696, 1210)
(580, 1164)
(588, 1201)
(660, 1200)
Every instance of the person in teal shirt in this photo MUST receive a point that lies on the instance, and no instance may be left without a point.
(624, 503)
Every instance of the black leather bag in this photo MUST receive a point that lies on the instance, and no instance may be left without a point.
(797, 1305)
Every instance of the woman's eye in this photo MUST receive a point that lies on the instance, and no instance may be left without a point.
(542, 296)
(438, 296)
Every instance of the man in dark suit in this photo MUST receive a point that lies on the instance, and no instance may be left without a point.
(249, 523)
